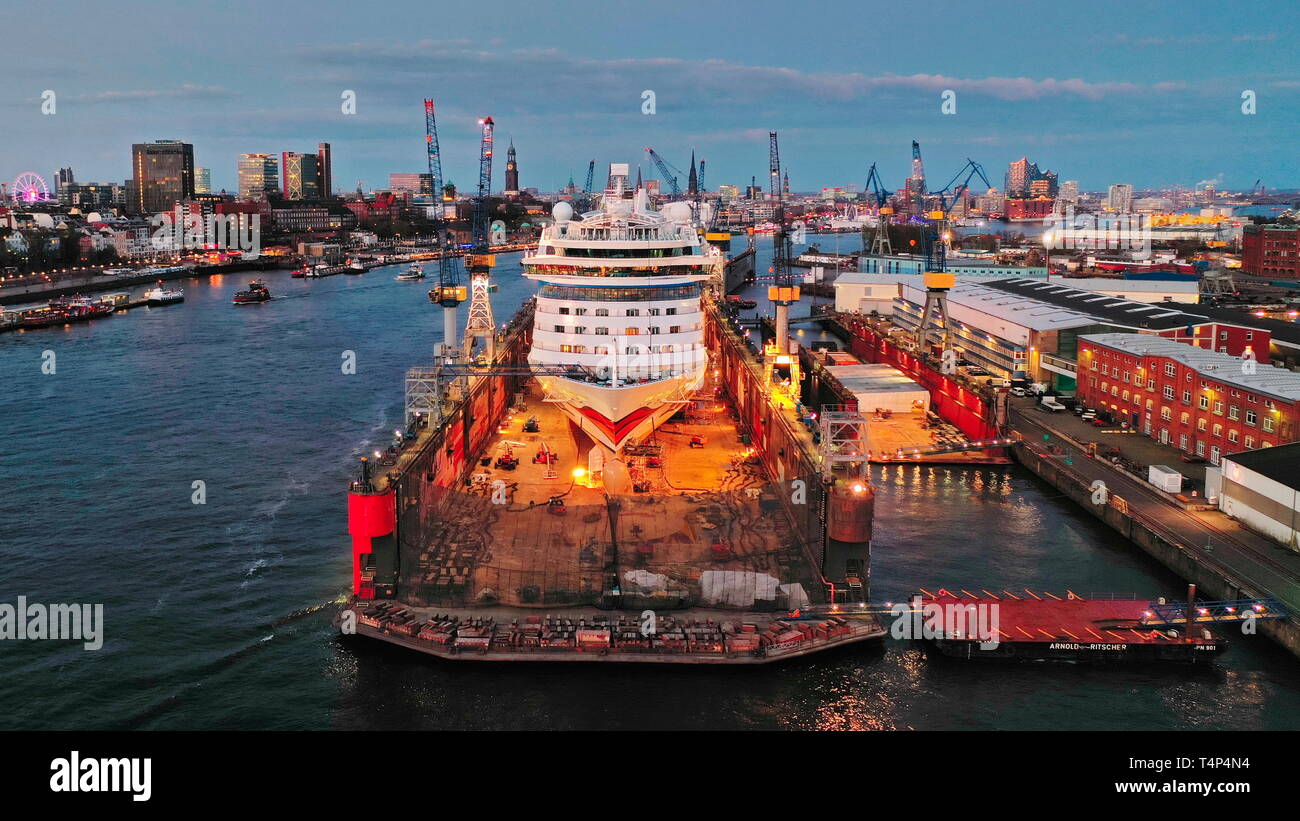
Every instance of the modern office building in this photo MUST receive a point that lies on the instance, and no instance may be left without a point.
(1201, 401)
(202, 180)
(301, 177)
(259, 176)
(162, 174)
(325, 170)
(1120, 197)
(417, 185)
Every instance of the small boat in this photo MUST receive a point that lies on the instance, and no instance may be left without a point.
(257, 292)
(299, 273)
(411, 274)
(158, 295)
(357, 265)
(741, 302)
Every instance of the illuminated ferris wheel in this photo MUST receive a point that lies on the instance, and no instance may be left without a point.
(29, 187)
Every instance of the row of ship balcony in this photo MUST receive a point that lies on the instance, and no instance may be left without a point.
(636, 366)
(670, 232)
(549, 312)
(670, 337)
(643, 268)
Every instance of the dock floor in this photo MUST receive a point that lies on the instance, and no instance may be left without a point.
(709, 531)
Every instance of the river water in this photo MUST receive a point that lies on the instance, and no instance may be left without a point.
(218, 614)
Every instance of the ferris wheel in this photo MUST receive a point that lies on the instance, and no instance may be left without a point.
(29, 187)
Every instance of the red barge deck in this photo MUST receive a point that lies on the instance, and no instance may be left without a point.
(1046, 627)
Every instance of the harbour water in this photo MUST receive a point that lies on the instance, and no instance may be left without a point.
(217, 615)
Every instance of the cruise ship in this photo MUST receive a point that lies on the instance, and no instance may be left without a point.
(619, 292)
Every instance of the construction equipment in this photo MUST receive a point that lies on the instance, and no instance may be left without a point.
(479, 261)
(880, 241)
(783, 292)
(449, 293)
(667, 169)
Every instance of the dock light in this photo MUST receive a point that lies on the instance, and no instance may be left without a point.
(1259, 608)
(1202, 611)
(377, 454)
(1147, 614)
(578, 473)
(1232, 610)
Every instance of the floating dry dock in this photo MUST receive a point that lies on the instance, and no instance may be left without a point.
(484, 519)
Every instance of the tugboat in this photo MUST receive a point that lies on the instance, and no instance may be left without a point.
(300, 273)
(257, 292)
(158, 295)
(413, 273)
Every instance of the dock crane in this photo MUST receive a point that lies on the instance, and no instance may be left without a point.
(880, 244)
(479, 261)
(783, 292)
(937, 280)
(666, 169)
(948, 199)
(449, 293)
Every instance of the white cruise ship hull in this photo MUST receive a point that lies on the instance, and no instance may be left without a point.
(615, 416)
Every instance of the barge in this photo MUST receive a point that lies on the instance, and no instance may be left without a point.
(1071, 628)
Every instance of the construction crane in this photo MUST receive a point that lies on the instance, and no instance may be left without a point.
(479, 261)
(666, 169)
(948, 198)
(699, 182)
(880, 241)
(449, 293)
(934, 316)
(591, 176)
(783, 291)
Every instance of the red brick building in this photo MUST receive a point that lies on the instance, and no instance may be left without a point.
(1027, 209)
(1202, 402)
(1271, 250)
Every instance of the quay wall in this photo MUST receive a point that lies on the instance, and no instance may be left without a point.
(1189, 562)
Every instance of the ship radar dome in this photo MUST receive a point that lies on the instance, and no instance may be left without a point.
(678, 211)
(563, 212)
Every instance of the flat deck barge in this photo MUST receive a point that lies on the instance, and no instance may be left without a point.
(1034, 627)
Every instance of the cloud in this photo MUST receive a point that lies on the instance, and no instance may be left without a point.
(187, 91)
(596, 79)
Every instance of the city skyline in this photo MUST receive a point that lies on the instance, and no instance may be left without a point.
(1136, 103)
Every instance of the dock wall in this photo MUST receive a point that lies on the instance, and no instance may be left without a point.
(1189, 562)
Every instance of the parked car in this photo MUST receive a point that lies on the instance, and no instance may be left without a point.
(1088, 415)
(1050, 405)
(1019, 391)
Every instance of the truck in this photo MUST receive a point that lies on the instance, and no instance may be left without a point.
(1049, 404)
